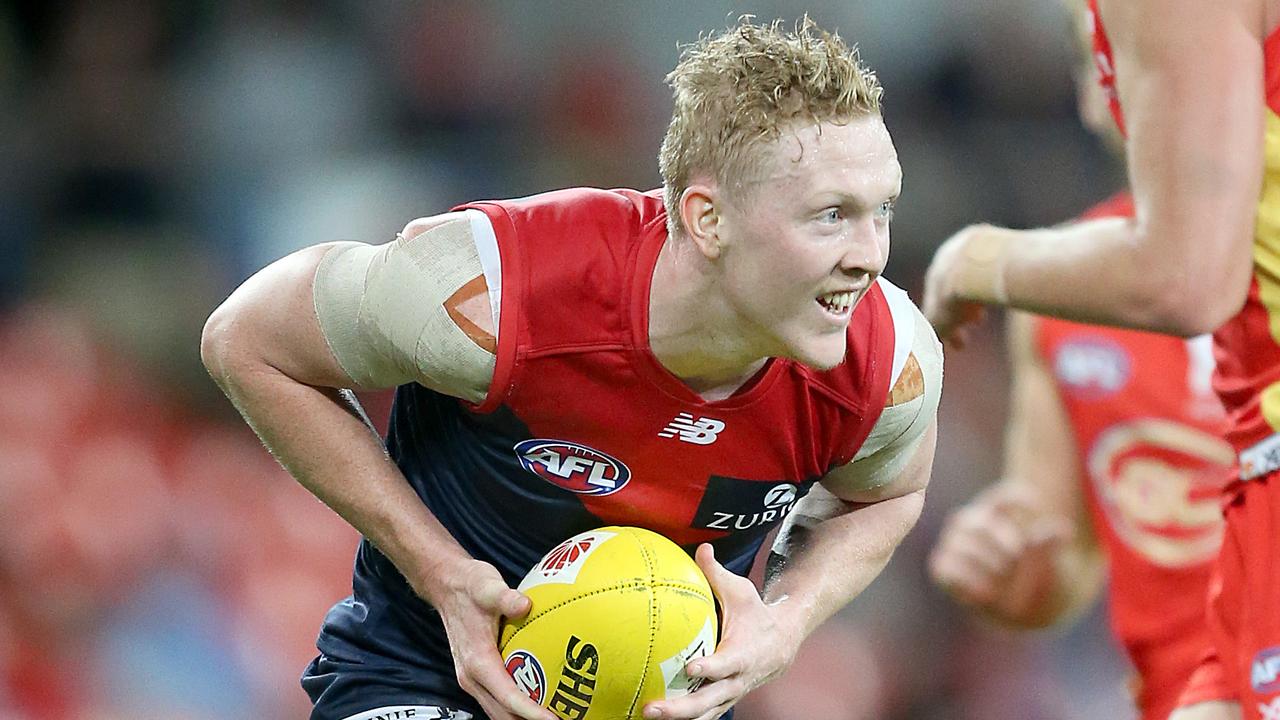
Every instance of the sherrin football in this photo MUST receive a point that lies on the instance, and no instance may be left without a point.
(616, 614)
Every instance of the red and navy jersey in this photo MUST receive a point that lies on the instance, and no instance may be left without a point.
(583, 427)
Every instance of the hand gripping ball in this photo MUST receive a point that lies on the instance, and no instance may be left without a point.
(617, 613)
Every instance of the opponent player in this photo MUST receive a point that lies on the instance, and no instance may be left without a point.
(691, 360)
(1199, 84)
(1114, 457)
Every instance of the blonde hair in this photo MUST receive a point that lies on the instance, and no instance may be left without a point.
(739, 89)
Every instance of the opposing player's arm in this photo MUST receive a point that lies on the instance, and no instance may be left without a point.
(843, 532)
(1190, 79)
(1024, 552)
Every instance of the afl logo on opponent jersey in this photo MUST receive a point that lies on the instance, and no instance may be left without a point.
(576, 468)
(1092, 367)
(1264, 675)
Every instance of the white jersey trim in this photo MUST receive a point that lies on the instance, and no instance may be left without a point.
(414, 712)
(490, 259)
(903, 312)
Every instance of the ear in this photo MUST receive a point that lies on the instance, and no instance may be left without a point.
(700, 214)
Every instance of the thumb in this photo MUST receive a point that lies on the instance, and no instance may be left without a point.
(705, 556)
(724, 583)
(492, 593)
(514, 604)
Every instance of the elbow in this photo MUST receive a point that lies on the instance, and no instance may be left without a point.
(219, 342)
(1197, 303)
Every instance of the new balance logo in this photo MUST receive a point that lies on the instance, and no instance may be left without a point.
(702, 431)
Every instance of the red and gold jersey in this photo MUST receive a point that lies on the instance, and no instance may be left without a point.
(1247, 347)
(1148, 428)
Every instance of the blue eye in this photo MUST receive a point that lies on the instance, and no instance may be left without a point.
(885, 211)
(830, 215)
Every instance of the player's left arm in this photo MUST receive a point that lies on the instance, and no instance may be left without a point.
(842, 534)
(834, 543)
(1190, 76)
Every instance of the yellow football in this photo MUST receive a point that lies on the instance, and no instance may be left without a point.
(617, 613)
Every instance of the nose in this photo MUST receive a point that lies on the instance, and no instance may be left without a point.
(868, 249)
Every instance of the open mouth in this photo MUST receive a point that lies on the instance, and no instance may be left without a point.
(838, 304)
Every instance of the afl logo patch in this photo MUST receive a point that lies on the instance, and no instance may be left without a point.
(576, 468)
(1092, 367)
(1264, 676)
(525, 669)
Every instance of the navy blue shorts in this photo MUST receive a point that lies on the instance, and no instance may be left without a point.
(359, 691)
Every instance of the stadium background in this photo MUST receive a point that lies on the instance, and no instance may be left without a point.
(154, 563)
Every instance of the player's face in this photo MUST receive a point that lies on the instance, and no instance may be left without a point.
(805, 241)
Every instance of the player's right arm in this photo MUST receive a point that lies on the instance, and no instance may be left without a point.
(283, 344)
(1023, 552)
(1190, 75)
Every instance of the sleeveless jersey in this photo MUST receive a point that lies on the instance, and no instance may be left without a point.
(1247, 347)
(583, 427)
(1148, 430)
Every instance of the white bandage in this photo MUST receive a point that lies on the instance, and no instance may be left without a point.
(382, 310)
(893, 440)
(900, 428)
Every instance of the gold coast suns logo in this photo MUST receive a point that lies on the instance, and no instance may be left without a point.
(1159, 483)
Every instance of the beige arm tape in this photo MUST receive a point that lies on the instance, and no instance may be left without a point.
(382, 311)
(900, 428)
(892, 442)
(981, 277)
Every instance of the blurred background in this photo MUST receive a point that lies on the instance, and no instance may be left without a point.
(156, 563)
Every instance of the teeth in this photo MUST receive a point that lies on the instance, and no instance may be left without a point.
(837, 302)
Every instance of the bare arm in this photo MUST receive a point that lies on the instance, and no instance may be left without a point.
(838, 557)
(266, 349)
(834, 560)
(1023, 552)
(1190, 78)
(834, 542)
(841, 535)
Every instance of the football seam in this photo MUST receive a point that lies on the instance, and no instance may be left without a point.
(648, 653)
(525, 622)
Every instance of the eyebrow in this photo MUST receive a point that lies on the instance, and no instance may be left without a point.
(856, 201)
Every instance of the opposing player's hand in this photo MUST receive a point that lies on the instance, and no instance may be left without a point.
(997, 555)
(472, 605)
(952, 318)
(753, 649)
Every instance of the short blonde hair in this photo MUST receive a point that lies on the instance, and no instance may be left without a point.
(738, 89)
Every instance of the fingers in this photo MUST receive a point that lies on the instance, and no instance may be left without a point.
(471, 622)
(979, 549)
(746, 656)
(483, 677)
(709, 701)
(963, 578)
(993, 538)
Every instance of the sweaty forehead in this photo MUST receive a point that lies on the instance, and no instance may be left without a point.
(858, 155)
